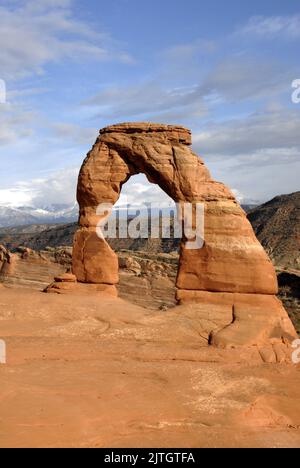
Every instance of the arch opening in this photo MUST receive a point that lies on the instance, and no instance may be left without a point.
(231, 259)
(142, 234)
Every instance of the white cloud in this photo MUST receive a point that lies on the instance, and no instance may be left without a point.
(243, 78)
(258, 155)
(56, 188)
(75, 133)
(242, 199)
(231, 80)
(188, 51)
(15, 124)
(268, 136)
(271, 27)
(138, 191)
(14, 197)
(60, 188)
(147, 100)
(33, 34)
(184, 88)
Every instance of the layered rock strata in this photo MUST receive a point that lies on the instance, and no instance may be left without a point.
(231, 265)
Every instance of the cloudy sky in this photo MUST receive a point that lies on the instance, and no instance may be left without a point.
(224, 69)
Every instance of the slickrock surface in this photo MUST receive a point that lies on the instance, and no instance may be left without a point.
(99, 372)
(146, 279)
(33, 270)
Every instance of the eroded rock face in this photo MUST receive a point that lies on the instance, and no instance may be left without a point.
(232, 260)
(231, 270)
(5, 261)
(29, 269)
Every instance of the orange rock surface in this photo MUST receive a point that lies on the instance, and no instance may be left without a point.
(90, 371)
(232, 260)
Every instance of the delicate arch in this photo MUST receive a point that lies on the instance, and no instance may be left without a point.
(231, 261)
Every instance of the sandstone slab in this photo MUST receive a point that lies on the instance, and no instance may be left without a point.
(104, 373)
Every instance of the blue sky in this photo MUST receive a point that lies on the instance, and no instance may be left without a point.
(224, 69)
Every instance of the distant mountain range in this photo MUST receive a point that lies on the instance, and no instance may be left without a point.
(276, 224)
(26, 215)
(53, 214)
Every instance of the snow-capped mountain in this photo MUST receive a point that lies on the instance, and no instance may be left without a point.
(25, 215)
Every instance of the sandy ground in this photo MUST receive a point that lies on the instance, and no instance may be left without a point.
(100, 372)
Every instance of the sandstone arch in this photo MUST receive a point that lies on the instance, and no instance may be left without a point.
(232, 259)
(230, 284)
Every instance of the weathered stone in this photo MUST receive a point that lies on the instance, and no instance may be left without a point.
(82, 289)
(232, 260)
(30, 269)
(66, 278)
(5, 260)
(256, 319)
(128, 263)
(230, 272)
(93, 260)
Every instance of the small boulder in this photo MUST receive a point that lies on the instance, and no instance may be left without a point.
(66, 278)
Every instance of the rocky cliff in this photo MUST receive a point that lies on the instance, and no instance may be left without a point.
(277, 226)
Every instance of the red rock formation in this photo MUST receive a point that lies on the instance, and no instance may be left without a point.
(5, 258)
(28, 269)
(231, 261)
